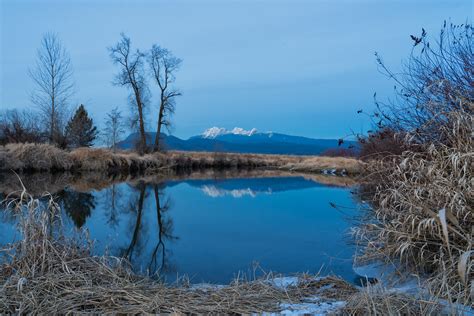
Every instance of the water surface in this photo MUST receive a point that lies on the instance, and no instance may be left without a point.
(212, 229)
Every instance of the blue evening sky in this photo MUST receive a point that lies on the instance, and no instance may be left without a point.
(296, 67)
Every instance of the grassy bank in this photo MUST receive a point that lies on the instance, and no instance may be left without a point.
(44, 157)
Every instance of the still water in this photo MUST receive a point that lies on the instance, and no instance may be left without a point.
(213, 229)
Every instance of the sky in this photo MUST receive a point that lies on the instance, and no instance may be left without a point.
(296, 67)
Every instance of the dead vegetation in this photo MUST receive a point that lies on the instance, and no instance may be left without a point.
(43, 157)
(422, 212)
(376, 300)
(46, 272)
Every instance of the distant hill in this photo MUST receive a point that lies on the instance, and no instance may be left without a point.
(242, 141)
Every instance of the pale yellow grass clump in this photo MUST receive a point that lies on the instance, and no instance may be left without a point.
(315, 164)
(105, 159)
(423, 212)
(44, 157)
(376, 300)
(34, 156)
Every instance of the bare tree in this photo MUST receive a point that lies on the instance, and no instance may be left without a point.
(52, 75)
(114, 128)
(163, 65)
(131, 75)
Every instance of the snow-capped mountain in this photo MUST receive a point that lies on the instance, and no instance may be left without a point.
(218, 139)
(214, 132)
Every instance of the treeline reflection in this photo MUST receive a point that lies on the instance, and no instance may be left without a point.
(138, 235)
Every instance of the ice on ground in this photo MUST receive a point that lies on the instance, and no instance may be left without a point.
(387, 276)
(316, 307)
(284, 282)
(207, 286)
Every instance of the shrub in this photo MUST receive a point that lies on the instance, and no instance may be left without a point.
(421, 188)
(19, 127)
(382, 143)
(340, 152)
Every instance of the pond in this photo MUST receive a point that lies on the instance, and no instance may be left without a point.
(213, 229)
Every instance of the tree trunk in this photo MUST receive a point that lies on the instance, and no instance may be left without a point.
(141, 122)
(158, 129)
(142, 131)
(141, 199)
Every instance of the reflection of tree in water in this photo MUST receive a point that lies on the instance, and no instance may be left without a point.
(158, 261)
(136, 206)
(165, 232)
(77, 205)
(112, 204)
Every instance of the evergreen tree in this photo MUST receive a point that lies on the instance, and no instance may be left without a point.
(80, 130)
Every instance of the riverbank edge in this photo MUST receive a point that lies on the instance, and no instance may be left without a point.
(47, 158)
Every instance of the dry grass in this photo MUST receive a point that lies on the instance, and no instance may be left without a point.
(316, 164)
(376, 300)
(44, 157)
(46, 273)
(423, 211)
(34, 157)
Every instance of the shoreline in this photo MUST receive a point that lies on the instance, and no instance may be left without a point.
(29, 158)
(39, 182)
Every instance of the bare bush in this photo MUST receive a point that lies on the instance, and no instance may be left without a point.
(438, 78)
(19, 127)
(340, 152)
(382, 143)
(420, 187)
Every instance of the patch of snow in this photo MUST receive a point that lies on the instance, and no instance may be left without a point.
(207, 286)
(387, 276)
(284, 282)
(314, 307)
(241, 131)
(214, 132)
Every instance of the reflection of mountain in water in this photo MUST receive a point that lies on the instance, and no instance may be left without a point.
(213, 191)
(241, 187)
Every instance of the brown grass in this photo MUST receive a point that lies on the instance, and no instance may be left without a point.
(423, 211)
(316, 164)
(376, 300)
(44, 157)
(47, 275)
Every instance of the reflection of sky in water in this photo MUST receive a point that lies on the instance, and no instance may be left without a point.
(285, 224)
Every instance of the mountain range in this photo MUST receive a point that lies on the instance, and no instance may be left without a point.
(242, 141)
